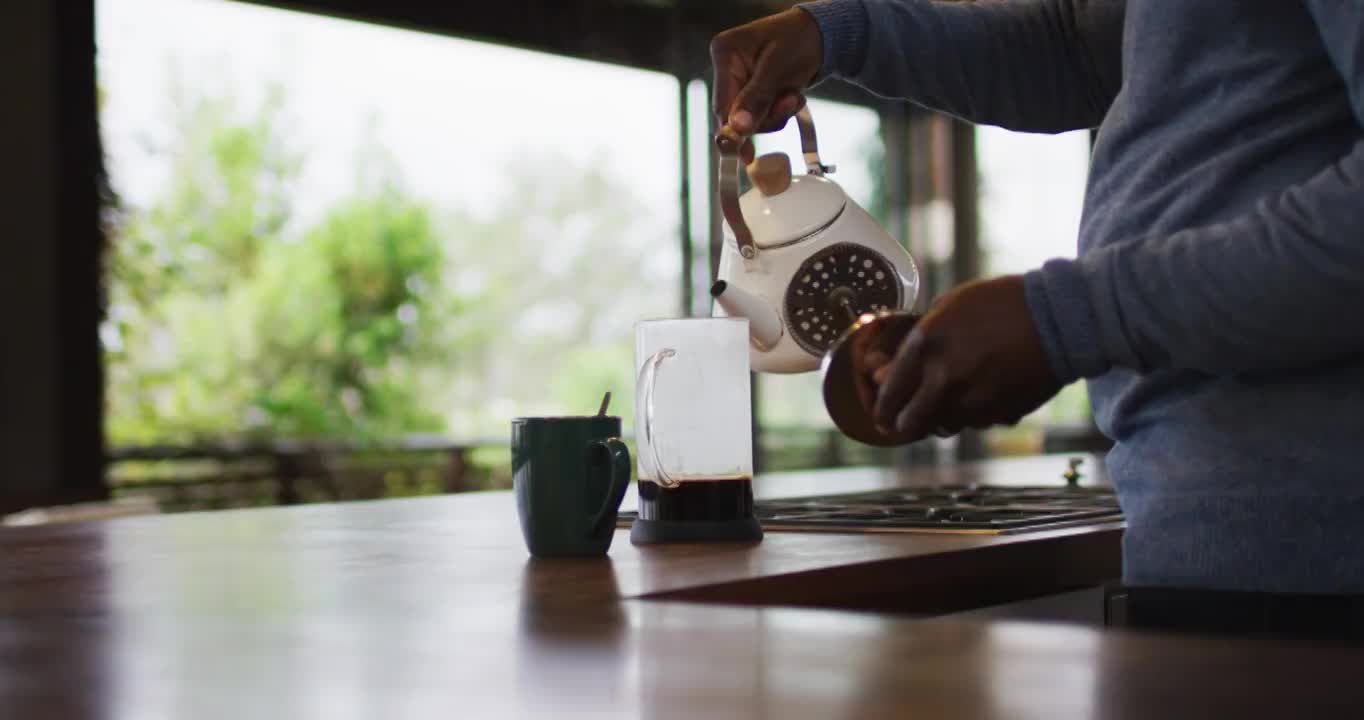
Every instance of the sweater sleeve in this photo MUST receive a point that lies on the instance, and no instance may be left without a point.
(1032, 65)
(1276, 288)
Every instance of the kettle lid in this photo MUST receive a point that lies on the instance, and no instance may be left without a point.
(781, 209)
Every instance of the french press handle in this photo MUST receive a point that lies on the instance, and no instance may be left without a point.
(729, 143)
(648, 377)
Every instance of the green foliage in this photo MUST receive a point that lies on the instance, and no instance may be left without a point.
(231, 316)
(225, 322)
(174, 317)
(344, 323)
(1069, 407)
(549, 283)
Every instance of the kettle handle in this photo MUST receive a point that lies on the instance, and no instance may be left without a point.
(729, 143)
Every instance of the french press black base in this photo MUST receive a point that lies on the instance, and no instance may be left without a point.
(655, 532)
(712, 510)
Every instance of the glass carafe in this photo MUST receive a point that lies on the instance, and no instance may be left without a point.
(693, 432)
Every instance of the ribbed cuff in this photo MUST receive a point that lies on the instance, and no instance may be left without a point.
(1058, 298)
(843, 23)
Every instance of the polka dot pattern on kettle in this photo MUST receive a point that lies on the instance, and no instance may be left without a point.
(835, 286)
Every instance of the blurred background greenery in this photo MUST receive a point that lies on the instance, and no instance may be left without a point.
(228, 319)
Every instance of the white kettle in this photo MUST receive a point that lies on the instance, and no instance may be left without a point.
(801, 260)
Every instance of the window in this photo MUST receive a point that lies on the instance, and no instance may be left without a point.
(336, 230)
(1031, 194)
(342, 230)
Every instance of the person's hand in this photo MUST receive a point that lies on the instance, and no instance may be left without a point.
(761, 71)
(872, 348)
(973, 360)
(867, 358)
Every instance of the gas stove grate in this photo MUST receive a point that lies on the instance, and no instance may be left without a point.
(957, 509)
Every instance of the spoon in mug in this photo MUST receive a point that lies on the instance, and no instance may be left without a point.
(605, 403)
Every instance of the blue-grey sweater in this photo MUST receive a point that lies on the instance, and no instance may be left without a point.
(1217, 304)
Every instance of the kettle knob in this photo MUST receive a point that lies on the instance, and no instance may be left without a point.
(771, 173)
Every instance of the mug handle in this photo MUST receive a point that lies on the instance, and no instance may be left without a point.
(619, 467)
(647, 378)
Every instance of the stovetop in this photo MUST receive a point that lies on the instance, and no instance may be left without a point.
(957, 509)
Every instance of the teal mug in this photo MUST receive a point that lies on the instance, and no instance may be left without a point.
(570, 475)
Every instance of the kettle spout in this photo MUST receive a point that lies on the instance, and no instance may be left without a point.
(764, 325)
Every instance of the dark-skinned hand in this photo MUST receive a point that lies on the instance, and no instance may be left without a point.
(973, 360)
(761, 72)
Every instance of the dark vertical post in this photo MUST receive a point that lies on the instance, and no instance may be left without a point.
(966, 254)
(51, 385)
(288, 463)
(895, 139)
(456, 469)
(755, 401)
(919, 149)
(900, 190)
(82, 241)
(830, 453)
(717, 232)
(684, 166)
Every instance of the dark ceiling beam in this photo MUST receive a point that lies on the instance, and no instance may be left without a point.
(662, 36)
(647, 36)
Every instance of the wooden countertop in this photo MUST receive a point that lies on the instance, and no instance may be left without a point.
(430, 608)
(903, 573)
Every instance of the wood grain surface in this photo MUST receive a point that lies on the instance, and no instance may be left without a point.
(430, 608)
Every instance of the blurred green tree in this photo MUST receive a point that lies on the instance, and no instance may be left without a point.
(344, 324)
(224, 321)
(382, 318)
(549, 283)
